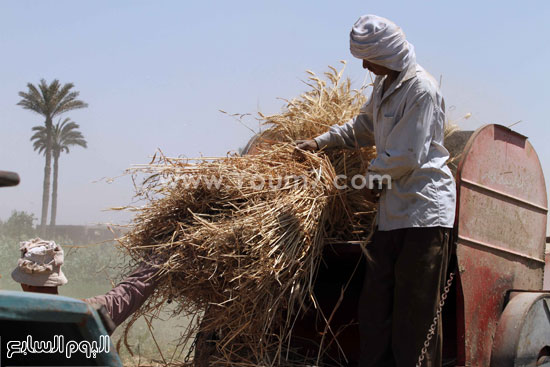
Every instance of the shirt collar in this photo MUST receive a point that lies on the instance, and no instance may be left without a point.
(403, 76)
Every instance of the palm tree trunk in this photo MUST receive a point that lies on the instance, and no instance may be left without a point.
(54, 188)
(47, 173)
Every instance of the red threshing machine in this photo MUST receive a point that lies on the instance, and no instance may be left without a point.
(497, 313)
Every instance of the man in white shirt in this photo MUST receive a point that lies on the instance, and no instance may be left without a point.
(405, 118)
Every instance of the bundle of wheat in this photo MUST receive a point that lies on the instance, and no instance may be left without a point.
(238, 239)
(238, 236)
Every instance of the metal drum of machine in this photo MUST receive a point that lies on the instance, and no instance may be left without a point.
(502, 314)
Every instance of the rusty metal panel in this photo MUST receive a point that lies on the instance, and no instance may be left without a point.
(501, 228)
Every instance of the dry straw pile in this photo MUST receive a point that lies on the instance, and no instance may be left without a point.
(238, 239)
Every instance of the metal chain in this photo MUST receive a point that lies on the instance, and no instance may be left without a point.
(191, 349)
(431, 330)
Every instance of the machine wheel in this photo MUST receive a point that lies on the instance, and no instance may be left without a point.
(522, 338)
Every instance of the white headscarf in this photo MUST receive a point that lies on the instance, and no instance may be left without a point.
(381, 42)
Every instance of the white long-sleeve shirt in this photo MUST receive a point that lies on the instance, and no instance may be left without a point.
(407, 123)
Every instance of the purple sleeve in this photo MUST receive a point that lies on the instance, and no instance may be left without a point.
(128, 296)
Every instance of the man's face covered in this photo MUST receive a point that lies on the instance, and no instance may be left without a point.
(376, 69)
(380, 43)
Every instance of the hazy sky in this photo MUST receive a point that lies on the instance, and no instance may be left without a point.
(155, 74)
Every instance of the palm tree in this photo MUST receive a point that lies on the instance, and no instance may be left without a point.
(64, 135)
(49, 101)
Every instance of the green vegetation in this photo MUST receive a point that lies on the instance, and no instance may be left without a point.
(19, 225)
